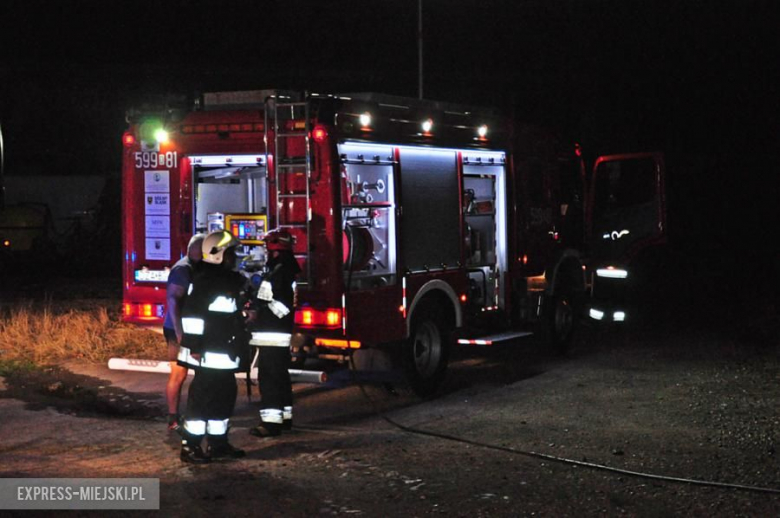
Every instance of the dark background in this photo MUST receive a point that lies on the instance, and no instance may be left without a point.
(697, 80)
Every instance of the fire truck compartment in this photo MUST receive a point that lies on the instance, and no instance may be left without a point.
(226, 185)
(368, 214)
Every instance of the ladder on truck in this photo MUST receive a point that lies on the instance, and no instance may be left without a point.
(289, 117)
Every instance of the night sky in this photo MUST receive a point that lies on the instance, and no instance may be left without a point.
(695, 79)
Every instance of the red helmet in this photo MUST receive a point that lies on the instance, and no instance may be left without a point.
(278, 239)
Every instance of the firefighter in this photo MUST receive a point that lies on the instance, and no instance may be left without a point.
(179, 280)
(212, 344)
(271, 333)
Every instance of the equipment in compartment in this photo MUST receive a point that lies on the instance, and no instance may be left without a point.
(364, 241)
(368, 198)
(479, 211)
(248, 228)
(358, 245)
(216, 221)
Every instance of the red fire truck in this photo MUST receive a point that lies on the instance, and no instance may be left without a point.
(417, 224)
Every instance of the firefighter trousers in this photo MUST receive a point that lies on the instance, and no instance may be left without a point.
(275, 386)
(210, 403)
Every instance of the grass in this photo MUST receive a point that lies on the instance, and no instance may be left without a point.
(43, 336)
(10, 367)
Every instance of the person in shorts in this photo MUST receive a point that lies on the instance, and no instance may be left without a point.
(179, 280)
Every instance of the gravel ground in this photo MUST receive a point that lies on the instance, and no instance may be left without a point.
(681, 403)
(515, 431)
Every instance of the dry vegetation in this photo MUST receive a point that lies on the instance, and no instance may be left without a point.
(41, 334)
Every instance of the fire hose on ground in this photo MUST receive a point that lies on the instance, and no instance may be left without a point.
(665, 478)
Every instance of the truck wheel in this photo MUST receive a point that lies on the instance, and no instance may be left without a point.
(426, 352)
(559, 321)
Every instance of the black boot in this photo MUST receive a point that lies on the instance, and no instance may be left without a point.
(193, 454)
(266, 430)
(225, 451)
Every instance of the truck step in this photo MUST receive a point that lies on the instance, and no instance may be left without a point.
(495, 338)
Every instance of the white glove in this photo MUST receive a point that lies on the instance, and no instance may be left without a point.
(278, 309)
(266, 291)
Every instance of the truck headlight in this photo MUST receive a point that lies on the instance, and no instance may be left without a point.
(611, 272)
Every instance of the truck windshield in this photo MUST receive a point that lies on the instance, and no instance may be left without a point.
(624, 183)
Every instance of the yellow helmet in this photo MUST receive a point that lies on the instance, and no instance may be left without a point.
(215, 244)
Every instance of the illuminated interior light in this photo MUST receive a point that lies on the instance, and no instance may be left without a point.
(482, 131)
(161, 136)
(365, 119)
(427, 126)
(222, 160)
(595, 314)
(6, 242)
(619, 316)
(612, 273)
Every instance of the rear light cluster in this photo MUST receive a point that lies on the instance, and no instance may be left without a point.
(143, 312)
(329, 318)
(338, 344)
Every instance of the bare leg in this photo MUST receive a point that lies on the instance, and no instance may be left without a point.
(173, 388)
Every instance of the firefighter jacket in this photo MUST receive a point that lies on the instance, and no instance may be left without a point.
(212, 320)
(275, 303)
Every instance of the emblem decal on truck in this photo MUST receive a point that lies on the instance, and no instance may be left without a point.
(615, 235)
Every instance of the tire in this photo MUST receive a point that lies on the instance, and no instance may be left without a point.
(559, 322)
(426, 351)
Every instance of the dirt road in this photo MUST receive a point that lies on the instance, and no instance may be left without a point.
(686, 403)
